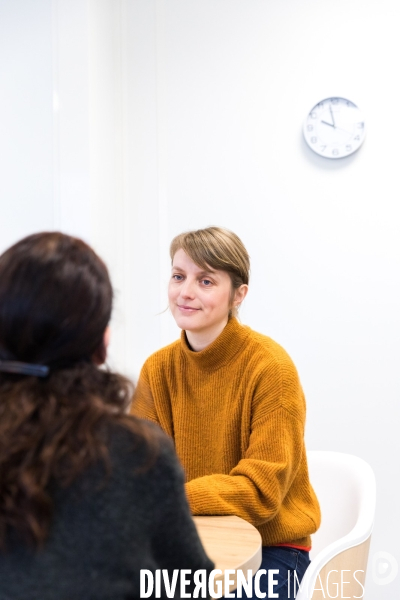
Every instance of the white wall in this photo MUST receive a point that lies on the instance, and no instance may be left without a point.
(178, 114)
(26, 134)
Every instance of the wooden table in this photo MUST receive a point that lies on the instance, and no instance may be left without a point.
(231, 543)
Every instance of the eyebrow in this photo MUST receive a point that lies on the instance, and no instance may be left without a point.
(210, 272)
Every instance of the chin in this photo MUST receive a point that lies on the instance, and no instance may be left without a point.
(183, 322)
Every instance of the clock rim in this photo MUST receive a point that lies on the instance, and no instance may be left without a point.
(326, 155)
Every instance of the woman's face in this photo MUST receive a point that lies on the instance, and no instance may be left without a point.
(199, 300)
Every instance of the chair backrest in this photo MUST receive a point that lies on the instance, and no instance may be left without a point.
(345, 488)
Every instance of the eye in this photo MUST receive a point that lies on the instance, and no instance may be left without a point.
(177, 277)
(207, 282)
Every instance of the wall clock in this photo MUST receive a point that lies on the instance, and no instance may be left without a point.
(334, 128)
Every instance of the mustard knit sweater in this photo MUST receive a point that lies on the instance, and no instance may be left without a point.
(236, 413)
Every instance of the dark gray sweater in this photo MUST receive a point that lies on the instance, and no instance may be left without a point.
(105, 530)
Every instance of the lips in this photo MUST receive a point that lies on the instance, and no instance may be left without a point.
(188, 309)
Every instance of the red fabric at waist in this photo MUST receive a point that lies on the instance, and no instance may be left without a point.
(306, 548)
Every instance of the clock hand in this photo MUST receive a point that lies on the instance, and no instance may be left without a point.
(333, 118)
(340, 128)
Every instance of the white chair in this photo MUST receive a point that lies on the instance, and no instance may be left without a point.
(345, 487)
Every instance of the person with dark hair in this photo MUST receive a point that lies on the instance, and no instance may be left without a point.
(89, 496)
(232, 401)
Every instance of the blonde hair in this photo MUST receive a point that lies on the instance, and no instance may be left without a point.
(217, 248)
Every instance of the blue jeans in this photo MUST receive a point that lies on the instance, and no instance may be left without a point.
(286, 561)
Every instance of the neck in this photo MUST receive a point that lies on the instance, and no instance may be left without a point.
(199, 340)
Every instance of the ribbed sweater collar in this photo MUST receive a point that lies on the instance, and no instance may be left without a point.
(222, 350)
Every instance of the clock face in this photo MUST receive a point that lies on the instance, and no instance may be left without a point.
(334, 128)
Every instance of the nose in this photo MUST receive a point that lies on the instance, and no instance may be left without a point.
(187, 288)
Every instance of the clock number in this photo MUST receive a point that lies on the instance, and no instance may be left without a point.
(310, 127)
(348, 147)
(320, 105)
(357, 138)
(335, 100)
(313, 114)
(314, 139)
(335, 152)
(322, 148)
(360, 125)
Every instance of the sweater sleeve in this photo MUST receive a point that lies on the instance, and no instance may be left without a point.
(176, 543)
(143, 403)
(256, 487)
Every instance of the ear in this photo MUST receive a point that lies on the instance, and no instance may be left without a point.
(240, 295)
(100, 355)
(107, 336)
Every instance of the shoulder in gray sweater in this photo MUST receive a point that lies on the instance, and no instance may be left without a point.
(106, 529)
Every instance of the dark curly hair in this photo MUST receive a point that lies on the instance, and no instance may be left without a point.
(55, 304)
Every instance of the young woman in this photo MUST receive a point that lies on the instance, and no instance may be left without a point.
(232, 402)
(88, 495)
